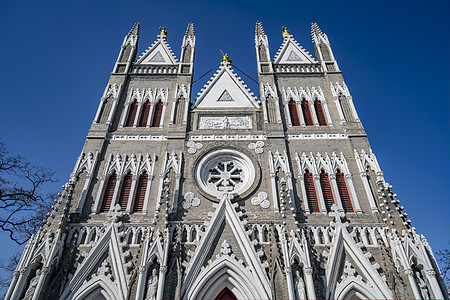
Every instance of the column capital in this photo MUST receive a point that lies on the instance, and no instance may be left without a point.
(308, 270)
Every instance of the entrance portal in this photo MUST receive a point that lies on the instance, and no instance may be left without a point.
(226, 294)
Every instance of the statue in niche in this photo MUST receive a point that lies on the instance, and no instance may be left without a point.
(152, 286)
(422, 286)
(299, 286)
(32, 287)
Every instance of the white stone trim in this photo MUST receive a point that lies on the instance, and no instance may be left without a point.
(312, 136)
(229, 137)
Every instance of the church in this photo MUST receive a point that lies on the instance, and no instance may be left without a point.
(226, 195)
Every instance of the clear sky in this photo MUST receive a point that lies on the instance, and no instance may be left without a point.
(56, 57)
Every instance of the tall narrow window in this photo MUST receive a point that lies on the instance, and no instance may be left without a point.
(306, 113)
(140, 193)
(132, 114)
(125, 192)
(109, 193)
(144, 114)
(310, 192)
(326, 190)
(343, 192)
(157, 114)
(319, 113)
(293, 113)
(346, 109)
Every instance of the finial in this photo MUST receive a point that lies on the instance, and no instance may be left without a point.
(163, 31)
(285, 31)
(225, 57)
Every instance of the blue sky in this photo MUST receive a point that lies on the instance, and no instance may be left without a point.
(56, 57)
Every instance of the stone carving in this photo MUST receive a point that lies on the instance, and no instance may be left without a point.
(190, 200)
(261, 200)
(293, 57)
(299, 286)
(32, 287)
(258, 147)
(225, 176)
(226, 122)
(157, 58)
(193, 147)
(152, 286)
(225, 97)
(226, 248)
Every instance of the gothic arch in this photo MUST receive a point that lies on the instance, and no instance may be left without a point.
(225, 272)
(355, 289)
(101, 287)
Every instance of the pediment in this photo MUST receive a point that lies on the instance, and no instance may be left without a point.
(291, 52)
(158, 53)
(225, 90)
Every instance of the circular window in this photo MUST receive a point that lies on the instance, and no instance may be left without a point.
(225, 171)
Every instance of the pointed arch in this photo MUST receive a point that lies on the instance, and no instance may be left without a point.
(319, 113)
(145, 113)
(293, 112)
(132, 114)
(125, 191)
(354, 288)
(326, 190)
(343, 192)
(140, 193)
(306, 113)
(311, 196)
(226, 294)
(156, 120)
(109, 193)
(106, 109)
(225, 272)
(101, 287)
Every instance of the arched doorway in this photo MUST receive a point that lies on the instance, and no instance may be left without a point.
(226, 294)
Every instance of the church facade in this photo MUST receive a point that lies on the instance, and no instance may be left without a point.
(226, 195)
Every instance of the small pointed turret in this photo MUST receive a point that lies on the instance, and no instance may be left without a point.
(128, 50)
(187, 50)
(190, 30)
(262, 49)
(322, 48)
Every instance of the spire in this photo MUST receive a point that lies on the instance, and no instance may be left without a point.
(322, 48)
(135, 29)
(190, 30)
(317, 35)
(259, 30)
(128, 50)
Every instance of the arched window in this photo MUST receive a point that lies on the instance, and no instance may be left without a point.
(140, 193)
(343, 192)
(226, 294)
(293, 113)
(109, 193)
(144, 114)
(125, 192)
(326, 190)
(132, 114)
(306, 113)
(310, 192)
(319, 113)
(157, 114)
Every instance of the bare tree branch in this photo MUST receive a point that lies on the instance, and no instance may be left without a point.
(22, 204)
(443, 258)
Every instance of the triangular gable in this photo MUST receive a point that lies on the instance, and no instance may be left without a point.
(159, 53)
(291, 52)
(225, 90)
(109, 243)
(343, 242)
(225, 213)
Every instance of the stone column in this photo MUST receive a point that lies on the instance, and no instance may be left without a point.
(308, 271)
(373, 206)
(334, 188)
(290, 285)
(412, 283)
(352, 195)
(319, 193)
(431, 276)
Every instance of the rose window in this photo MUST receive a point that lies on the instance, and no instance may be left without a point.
(224, 171)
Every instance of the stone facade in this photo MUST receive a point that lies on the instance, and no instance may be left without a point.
(227, 196)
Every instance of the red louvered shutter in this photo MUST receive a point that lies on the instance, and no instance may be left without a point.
(319, 113)
(140, 193)
(306, 113)
(326, 190)
(293, 113)
(310, 192)
(109, 193)
(144, 114)
(157, 114)
(125, 192)
(343, 192)
(132, 114)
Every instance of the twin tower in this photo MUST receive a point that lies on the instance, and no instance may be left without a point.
(228, 195)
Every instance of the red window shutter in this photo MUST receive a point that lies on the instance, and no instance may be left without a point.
(293, 113)
(226, 294)
(132, 114)
(310, 192)
(144, 114)
(306, 113)
(109, 193)
(343, 192)
(319, 112)
(157, 114)
(140, 193)
(326, 190)
(125, 192)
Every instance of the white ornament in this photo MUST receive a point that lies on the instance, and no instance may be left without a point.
(258, 147)
(190, 200)
(193, 147)
(261, 200)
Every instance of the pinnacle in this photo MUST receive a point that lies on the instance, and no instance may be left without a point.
(190, 29)
(135, 29)
(315, 30)
(259, 30)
